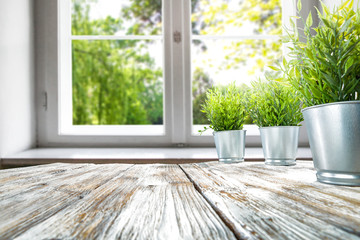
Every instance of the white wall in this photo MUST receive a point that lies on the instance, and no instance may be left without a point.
(17, 110)
(46, 71)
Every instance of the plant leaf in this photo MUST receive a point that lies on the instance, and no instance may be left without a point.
(274, 68)
(299, 5)
(345, 25)
(309, 20)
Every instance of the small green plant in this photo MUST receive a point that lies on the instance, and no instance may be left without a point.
(271, 103)
(325, 60)
(224, 108)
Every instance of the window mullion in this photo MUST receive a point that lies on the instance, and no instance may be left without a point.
(187, 69)
(236, 37)
(178, 131)
(167, 56)
(116, 37)
(65, 61)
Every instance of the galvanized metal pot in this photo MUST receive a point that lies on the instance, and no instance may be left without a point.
(334, 137)
(280, 144)
(230, 145)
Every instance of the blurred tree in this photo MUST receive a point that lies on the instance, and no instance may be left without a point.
(117, 81)
(242, 17)
(237, 17)
(114, 81)
(200, 84)
(147, 15)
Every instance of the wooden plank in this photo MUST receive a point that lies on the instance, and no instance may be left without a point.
(9, 175)
(143, 202)
(23, 177)
(269, 202)
(25, 203)
(14, 183)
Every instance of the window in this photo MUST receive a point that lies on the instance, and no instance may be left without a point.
(134, 72)
(232, 41)
(113, 81)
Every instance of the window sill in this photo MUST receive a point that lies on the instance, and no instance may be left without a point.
(128, 155)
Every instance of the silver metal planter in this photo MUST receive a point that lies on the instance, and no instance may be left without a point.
(334, 137)
(230, 145)
(280, 144)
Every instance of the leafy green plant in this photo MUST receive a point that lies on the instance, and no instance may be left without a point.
(271, 103)
(325, 60)
(225, 108)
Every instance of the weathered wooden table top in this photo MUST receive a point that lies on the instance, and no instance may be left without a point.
(190, 201)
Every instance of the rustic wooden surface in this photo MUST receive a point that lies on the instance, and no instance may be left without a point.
(168, 201)
(86, 201)
(270, 202)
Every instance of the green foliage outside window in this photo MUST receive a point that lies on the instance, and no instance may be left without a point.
(114, 81)
(216, 17)
(263, 17)
(118, 81)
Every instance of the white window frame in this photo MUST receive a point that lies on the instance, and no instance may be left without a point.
(252, 132)
(178, 129)
(65, 84)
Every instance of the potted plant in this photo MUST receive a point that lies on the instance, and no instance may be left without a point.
(276, 110)
(325, 69)
(225, 110)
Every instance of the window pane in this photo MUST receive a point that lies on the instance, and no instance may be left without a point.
(236, 17)
(116, 17)
(220, 62)
(117, 82)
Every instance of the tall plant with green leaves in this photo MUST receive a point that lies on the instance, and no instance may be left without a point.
(271, 103)
(325, 60)
(225, 108)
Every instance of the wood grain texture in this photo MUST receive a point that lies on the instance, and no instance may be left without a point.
(164, 201)
(105, 202)
(27, 201)
(269, 202)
